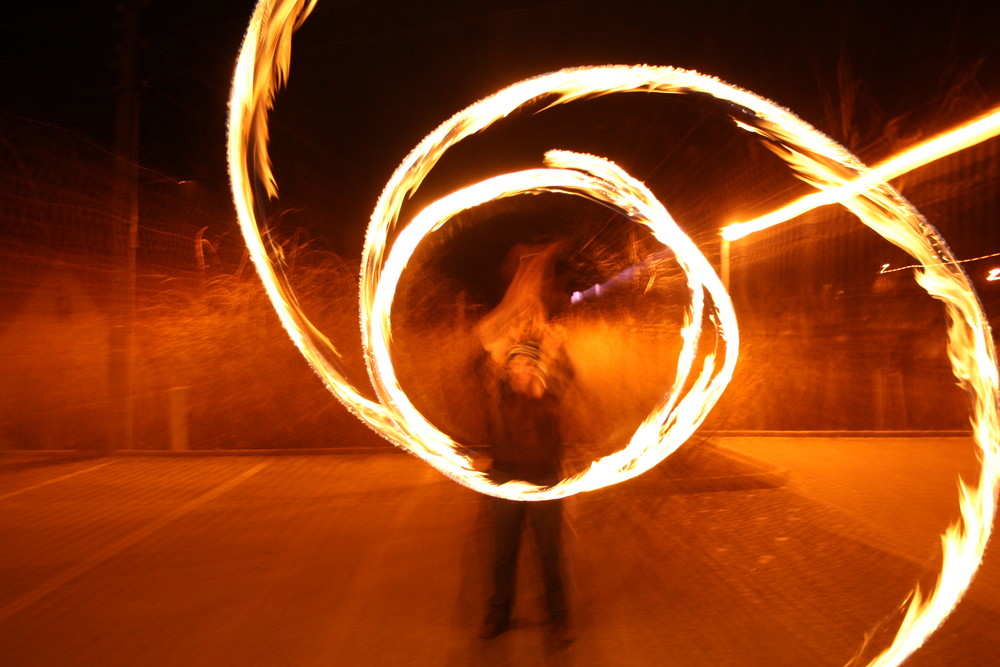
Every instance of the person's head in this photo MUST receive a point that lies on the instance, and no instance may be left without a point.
(524, 373)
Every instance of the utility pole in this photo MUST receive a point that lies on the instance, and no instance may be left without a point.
(126, 229)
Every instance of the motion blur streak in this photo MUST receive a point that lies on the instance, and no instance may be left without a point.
(261, 70)
(957, 139)
(971, 349)
(263, 67)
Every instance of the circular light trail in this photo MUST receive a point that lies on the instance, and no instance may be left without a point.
(684, 407)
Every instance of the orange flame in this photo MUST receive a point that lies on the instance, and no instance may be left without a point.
(973, 357)
(263, 67)
(959, 138)
(680, 412)
(258, 76)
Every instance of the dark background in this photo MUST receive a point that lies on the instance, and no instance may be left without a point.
(369, 79)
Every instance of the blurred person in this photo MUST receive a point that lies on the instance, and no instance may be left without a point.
(529, 369)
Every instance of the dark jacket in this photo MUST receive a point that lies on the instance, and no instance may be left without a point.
(525, 440)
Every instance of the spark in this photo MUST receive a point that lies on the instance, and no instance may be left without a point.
(885, 267)
(263, 67)
(994, 274)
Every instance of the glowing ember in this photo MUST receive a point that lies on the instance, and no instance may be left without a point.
(263, 67)
(994, 274)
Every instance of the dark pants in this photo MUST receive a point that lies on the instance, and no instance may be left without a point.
(509, 519)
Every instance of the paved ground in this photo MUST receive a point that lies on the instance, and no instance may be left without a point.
(788, 558)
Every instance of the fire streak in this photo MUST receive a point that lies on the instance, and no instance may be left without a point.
(957, 139)
(679, 413)
(263, 67)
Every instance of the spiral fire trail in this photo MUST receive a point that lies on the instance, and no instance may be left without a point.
(676, 417)
(262, 69)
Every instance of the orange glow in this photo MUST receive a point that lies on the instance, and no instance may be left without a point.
(866, 194)
(263, 67)
(684, 407)
(954, 140)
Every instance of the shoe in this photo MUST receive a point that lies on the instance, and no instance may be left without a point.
(493, 627)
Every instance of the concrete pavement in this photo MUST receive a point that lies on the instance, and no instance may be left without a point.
(375, 559)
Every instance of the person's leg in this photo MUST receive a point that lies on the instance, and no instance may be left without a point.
(546, 520)
(507, 522)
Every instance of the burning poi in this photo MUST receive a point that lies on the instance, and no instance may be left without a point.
(262, 69)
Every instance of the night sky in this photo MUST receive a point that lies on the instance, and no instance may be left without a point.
(369, 79)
